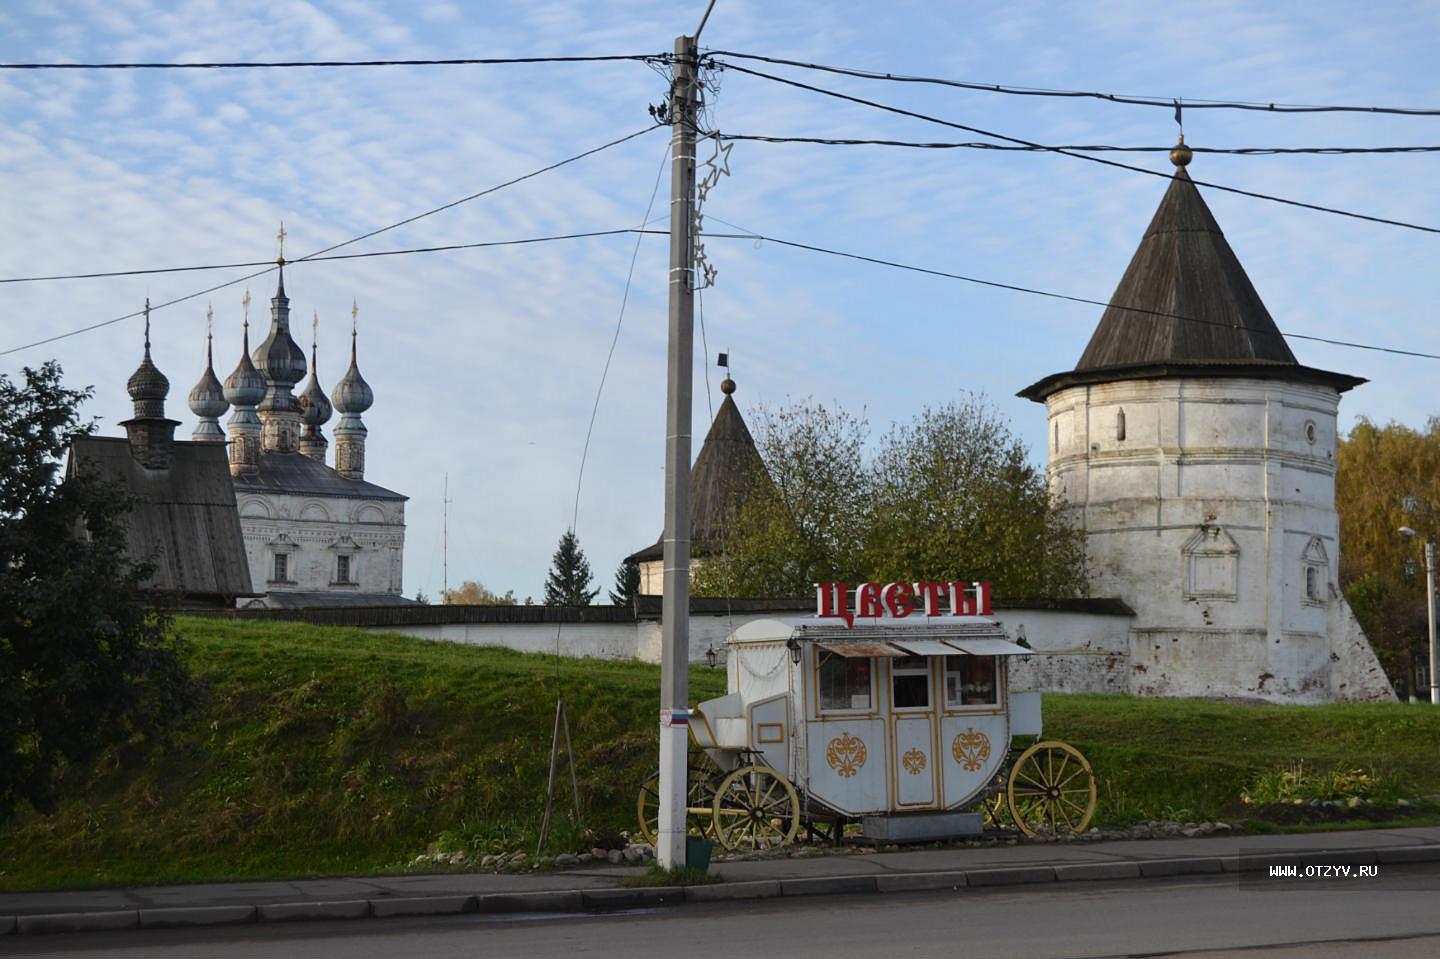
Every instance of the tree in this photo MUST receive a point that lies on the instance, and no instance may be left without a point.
(471, 593)
(87, 659)
(568, 583)
(1388, 477)
(627, 584)
(949, 496)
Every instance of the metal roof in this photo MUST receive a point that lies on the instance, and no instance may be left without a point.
(297, 474)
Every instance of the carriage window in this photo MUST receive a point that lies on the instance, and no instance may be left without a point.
(844, 683)
(970, 681)
(911, 676)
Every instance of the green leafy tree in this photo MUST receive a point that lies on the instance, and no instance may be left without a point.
(87, 660)
(472, 593)
(949, 495)
(627, 584)
(568, 583)
(1388, 477)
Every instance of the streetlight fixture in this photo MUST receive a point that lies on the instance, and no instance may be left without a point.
(1430, 607)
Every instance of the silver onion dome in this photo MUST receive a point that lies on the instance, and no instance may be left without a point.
(246, 386)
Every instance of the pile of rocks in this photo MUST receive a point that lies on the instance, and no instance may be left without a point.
(520, 861)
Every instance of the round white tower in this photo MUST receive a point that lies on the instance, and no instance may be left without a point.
(1199, 457)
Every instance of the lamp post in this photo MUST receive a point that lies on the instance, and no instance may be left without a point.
(1430, 608)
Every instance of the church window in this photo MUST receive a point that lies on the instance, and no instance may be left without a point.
(1120, 426)
(342, 569)
(1312, 584)
(282, 567)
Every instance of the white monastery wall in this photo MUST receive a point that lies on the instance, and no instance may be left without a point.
(312, 532)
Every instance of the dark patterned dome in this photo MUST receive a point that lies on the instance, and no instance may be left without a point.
(352, 394)
(207, 399)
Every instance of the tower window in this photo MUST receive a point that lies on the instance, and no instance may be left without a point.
(1120, 426)
(342, 569)
(1312, 584)
(282, 567)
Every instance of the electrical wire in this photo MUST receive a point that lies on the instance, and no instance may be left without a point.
(1081, 156)
(1086, 148)
(319, 253)
(281, 64)
(1168, 103)
(1032, 291)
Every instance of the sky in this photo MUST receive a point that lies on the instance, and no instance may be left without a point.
(485, 363)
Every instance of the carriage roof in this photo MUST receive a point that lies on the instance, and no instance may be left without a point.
(978, 635)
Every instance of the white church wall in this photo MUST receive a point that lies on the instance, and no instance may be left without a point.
(313, 532)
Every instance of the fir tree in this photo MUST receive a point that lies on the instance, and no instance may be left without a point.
(569, 581)
(627, 584)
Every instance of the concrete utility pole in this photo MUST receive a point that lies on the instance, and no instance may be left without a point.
(675, 605)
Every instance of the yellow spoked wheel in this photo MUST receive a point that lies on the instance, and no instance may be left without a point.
(1051, 790)
(756, 808)
(699, 817)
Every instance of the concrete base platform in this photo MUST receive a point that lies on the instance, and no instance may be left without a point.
(922, 826)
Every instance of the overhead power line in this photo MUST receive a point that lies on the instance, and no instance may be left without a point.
(1081, 156)
(316, 254)
(1079, 148)
(285, 64)
(1033, 291)
(1146, 101)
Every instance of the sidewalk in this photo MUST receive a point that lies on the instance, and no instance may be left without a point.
(599, 887)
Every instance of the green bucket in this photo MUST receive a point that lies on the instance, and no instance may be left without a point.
(697, 853)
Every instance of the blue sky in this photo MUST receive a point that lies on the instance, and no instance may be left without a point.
(485, 363)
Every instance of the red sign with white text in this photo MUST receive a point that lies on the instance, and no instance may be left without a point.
(899, 600)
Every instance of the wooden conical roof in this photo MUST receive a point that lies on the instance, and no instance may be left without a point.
(1185, 307)
(725, 473)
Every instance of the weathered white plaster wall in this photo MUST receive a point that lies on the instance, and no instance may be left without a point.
(313, 531)
(1205, 513)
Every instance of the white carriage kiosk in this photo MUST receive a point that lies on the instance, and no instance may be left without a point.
(900, 723)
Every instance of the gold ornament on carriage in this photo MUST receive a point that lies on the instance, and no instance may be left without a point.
(914, 762)
(970, 749)
(846, 755)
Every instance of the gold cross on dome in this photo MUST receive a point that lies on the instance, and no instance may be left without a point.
(209, 320)
(314, 328)
(246, 304)
(281, 237)
(354, 313)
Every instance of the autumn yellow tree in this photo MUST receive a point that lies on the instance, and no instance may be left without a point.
(471, 593)
(1388, 477)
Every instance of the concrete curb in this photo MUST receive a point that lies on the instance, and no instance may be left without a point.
(180, 917)
(580, 900)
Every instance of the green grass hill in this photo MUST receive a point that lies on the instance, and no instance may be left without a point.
(334, 751)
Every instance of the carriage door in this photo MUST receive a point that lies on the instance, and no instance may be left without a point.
(912, 733)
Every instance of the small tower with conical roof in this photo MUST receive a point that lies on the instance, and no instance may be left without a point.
(315, 406)
(244, 388)
(1198, 456)
(352, 396)
(207, 399)
(282, 362)
(151, 435)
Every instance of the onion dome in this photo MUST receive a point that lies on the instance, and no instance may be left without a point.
(147, 386)
(352, 394)
(315, 406)
(207, 399)
(245, 386)
(279, 357)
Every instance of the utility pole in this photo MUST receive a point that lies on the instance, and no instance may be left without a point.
(675, 604)
(1430, 611)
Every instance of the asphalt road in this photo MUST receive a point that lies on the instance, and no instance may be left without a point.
(1395, 916)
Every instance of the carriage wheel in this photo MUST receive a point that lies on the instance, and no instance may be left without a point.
(698, 800)
(756, 808)
(1051, 790)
